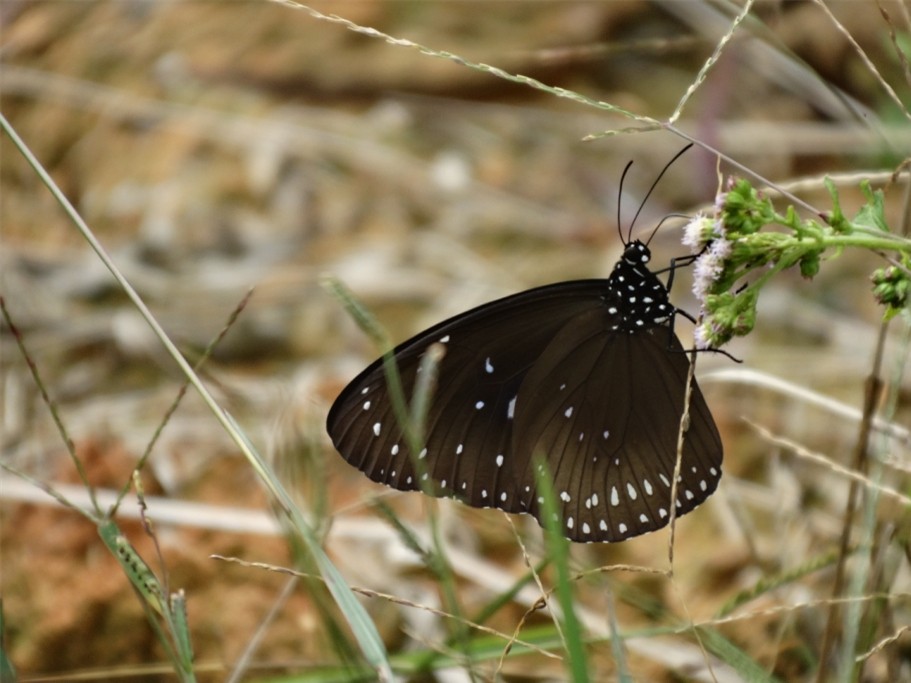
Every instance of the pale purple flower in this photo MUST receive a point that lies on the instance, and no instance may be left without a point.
(696, 231)
(709, 267)
(702, 335)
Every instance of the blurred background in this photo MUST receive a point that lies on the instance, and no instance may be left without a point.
(219, 147)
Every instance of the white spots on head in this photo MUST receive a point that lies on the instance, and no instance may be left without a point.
(511, 408)
(622, 528)
(568, 412)
(376, 428)
(366, 405)
(565, 497)
(586, 529)
(488, 366)
(422, 454)
(479, 405)
(500, 460)
(662, 513)
(631, 491)
(614, 496)
(459, 449)
(648, 487)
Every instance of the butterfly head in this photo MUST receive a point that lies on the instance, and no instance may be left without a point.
(636, 253)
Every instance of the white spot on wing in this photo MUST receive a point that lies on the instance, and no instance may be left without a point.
(511, 408)
(488, 366)
(376, 428)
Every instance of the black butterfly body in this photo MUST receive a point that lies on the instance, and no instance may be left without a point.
(587, 374)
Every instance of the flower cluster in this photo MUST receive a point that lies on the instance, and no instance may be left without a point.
(892, 287)
(732, 248)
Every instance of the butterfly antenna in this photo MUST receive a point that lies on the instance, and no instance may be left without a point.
(661, 222)
(654, 185)
(620, 201)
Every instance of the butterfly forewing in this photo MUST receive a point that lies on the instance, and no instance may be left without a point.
(587, 375)
(468, 449)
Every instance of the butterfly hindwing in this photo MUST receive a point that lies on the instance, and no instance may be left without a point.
(607, 440)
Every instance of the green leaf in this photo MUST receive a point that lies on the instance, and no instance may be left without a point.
(873, 213)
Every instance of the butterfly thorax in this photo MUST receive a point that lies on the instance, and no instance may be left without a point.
(637, 299)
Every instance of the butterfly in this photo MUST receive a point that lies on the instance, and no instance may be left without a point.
(587, 374)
